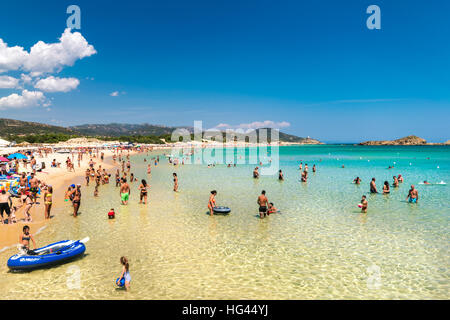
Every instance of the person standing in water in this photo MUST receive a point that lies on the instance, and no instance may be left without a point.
(256, 173)
(413, 195)
(124, 191)
(263, 203)
(364, 204)
(386, 189)
(280, 175)
(314, 168)
(125, 272)
(24, 240)
(143, 191)
(175, 182)
(76, 193)
(373, 186)
(87, 176)
(395, 184)
(212, 202)
(357, 180)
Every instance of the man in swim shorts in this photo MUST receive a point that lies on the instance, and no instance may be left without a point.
(34, 187)
(262, 201)
(124, 192)
(413, 195)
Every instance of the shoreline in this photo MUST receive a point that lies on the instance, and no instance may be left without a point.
(59, 179)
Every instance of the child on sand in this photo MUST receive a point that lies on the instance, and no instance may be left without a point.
(111, 214)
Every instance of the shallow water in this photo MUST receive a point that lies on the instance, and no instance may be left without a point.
(319, 247)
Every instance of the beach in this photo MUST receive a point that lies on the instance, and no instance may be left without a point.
(319, 247)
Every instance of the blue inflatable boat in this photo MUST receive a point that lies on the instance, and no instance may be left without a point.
(55, 253)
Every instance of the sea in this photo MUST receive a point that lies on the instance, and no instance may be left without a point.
(319, 246)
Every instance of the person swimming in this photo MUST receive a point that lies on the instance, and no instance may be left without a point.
(357, 180)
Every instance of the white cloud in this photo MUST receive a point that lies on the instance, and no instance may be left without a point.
(52, 84)
(114, 94)
(223, 125)
(45, 57)
(256, 125)
(27, 99)
(7, 82)
(11, 58)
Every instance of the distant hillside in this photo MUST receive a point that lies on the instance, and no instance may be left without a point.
(38, 132)
(406, 141)
(122, 129)
(17, 127)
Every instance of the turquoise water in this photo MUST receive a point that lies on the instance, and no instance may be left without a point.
(319, 247)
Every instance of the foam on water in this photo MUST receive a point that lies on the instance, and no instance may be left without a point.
(320, 247)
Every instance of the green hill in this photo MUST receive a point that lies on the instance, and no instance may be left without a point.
(17, 127)
(34, 132)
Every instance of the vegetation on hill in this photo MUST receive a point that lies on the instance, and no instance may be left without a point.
(33, 132)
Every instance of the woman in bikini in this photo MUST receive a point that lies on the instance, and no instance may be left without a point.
(212, 202)
(386, 189)
(48, 201)
(76, 200)
(143, 191)
(24, 240)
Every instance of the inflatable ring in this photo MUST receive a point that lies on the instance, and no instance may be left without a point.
(221, 210)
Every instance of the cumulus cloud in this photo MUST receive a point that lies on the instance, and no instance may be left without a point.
(46, 57)
(55, 84)
(256, 125)
(27, 99)
(114, 94)
(11, 58)
(7, 82)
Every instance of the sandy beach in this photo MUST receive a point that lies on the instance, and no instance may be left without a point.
(59, 179)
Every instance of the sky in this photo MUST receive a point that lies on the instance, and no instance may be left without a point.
(310, 68)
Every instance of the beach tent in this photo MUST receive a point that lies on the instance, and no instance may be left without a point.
(4, 143)
(17, 156)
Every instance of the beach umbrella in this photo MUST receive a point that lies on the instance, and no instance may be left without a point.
(17, 156)
(3, 159)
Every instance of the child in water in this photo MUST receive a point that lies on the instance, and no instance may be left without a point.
(125, 273)
(272, 209)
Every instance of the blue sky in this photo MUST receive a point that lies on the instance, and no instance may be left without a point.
(313, 64)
